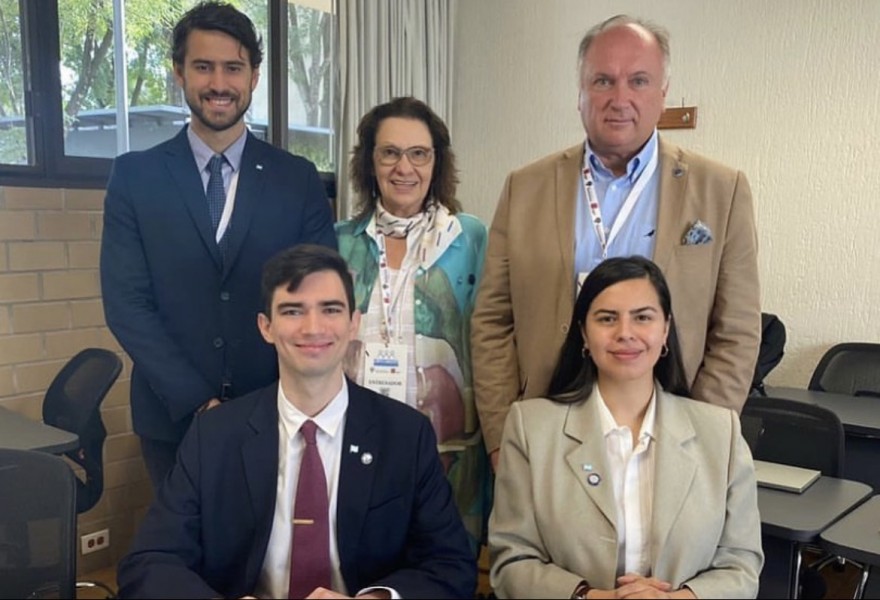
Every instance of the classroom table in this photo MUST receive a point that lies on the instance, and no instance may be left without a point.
(21, 433)
(789, 520)
(860, 417)
(857, 537)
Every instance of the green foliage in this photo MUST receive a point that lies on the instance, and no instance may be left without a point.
(87, 57)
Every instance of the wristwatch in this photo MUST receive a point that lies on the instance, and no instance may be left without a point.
(580, 592)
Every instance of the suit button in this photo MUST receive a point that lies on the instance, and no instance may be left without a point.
(224, 296)
(564, 329)
(218, 342)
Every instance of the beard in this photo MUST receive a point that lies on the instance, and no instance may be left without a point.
(218, 123)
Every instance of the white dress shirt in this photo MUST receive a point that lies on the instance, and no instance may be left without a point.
(274, 578)
(632, 478)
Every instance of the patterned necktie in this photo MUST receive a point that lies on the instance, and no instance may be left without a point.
(310, 552)
(215, 192)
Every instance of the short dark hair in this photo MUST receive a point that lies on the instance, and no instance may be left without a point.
(217, 16)
(290, 266)
(574, 374)
(444, 178)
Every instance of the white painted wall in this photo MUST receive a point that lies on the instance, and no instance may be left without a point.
(787, 91)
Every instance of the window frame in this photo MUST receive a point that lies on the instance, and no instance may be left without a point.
(43, 104)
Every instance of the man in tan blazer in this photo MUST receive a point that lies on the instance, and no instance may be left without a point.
(696, 218)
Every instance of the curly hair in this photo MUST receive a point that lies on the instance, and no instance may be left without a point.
(444, 178)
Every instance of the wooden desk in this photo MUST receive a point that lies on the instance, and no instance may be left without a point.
(789, 520)
(860, 416)
(20, 433)
(857, 537)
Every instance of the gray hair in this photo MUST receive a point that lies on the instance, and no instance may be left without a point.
(660, 35)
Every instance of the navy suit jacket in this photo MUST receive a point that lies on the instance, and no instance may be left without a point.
(186, 315)
(397, 526)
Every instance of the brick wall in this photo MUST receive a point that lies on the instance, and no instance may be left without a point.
(50, 308)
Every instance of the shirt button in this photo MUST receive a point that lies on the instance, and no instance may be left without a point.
(218, 342)
(418, 336)
(418, 302)
(224, 296)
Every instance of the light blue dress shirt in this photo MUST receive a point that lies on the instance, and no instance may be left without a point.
(203, 153)
(638, 234)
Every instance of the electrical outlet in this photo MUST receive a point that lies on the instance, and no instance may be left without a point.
(92, 542)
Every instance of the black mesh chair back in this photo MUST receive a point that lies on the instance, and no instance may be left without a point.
(73, 403)
(851, 368)
(794, 433)
(37, 526)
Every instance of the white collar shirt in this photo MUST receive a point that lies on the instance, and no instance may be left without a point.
(631, 471)
(275, 576)
(274, 580)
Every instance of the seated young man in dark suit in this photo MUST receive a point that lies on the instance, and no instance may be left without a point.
(311, 487)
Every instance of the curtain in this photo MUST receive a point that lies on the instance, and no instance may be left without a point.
(385, 49)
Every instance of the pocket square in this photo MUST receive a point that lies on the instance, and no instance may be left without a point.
(699, 233)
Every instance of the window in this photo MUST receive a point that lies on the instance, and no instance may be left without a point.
(310, 75)
(59, 119)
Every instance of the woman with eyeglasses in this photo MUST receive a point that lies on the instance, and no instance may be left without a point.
(416, 261)
(618, 485)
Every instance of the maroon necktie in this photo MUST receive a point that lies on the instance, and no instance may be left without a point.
(310, 554)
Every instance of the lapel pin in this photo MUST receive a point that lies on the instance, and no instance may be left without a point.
(259, 167)
(366, 458)
(594, 479)
(353, 449)
(588, 467)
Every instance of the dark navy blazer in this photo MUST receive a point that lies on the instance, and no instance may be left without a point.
(186, 315)
(207, 532)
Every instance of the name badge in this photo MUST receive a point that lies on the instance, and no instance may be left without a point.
(385, 369)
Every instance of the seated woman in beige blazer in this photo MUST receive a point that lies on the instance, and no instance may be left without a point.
(618, 485)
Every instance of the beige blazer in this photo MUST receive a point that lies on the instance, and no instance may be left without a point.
(549, 528)
(527, 291)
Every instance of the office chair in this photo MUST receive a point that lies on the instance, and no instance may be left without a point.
(37, 526)
(794, 433)
(803, 435)
(851, 368)
(73, 403)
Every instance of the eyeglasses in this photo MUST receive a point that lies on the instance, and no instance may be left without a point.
(418, 156)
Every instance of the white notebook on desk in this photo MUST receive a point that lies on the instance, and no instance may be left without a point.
(784, 477)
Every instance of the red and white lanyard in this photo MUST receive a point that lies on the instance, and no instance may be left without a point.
(390, 298)
(625, 210)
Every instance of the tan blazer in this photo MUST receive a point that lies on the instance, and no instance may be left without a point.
(550, 529)
(527, 291)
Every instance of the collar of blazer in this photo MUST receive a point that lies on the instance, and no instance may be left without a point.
(253, 170)
(673, 173)
(260, 455)
(675, 466)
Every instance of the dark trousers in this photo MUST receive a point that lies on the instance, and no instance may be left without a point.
(159, 456)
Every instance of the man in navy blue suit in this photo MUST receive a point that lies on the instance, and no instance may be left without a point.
(188, 225)
(227, 521)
